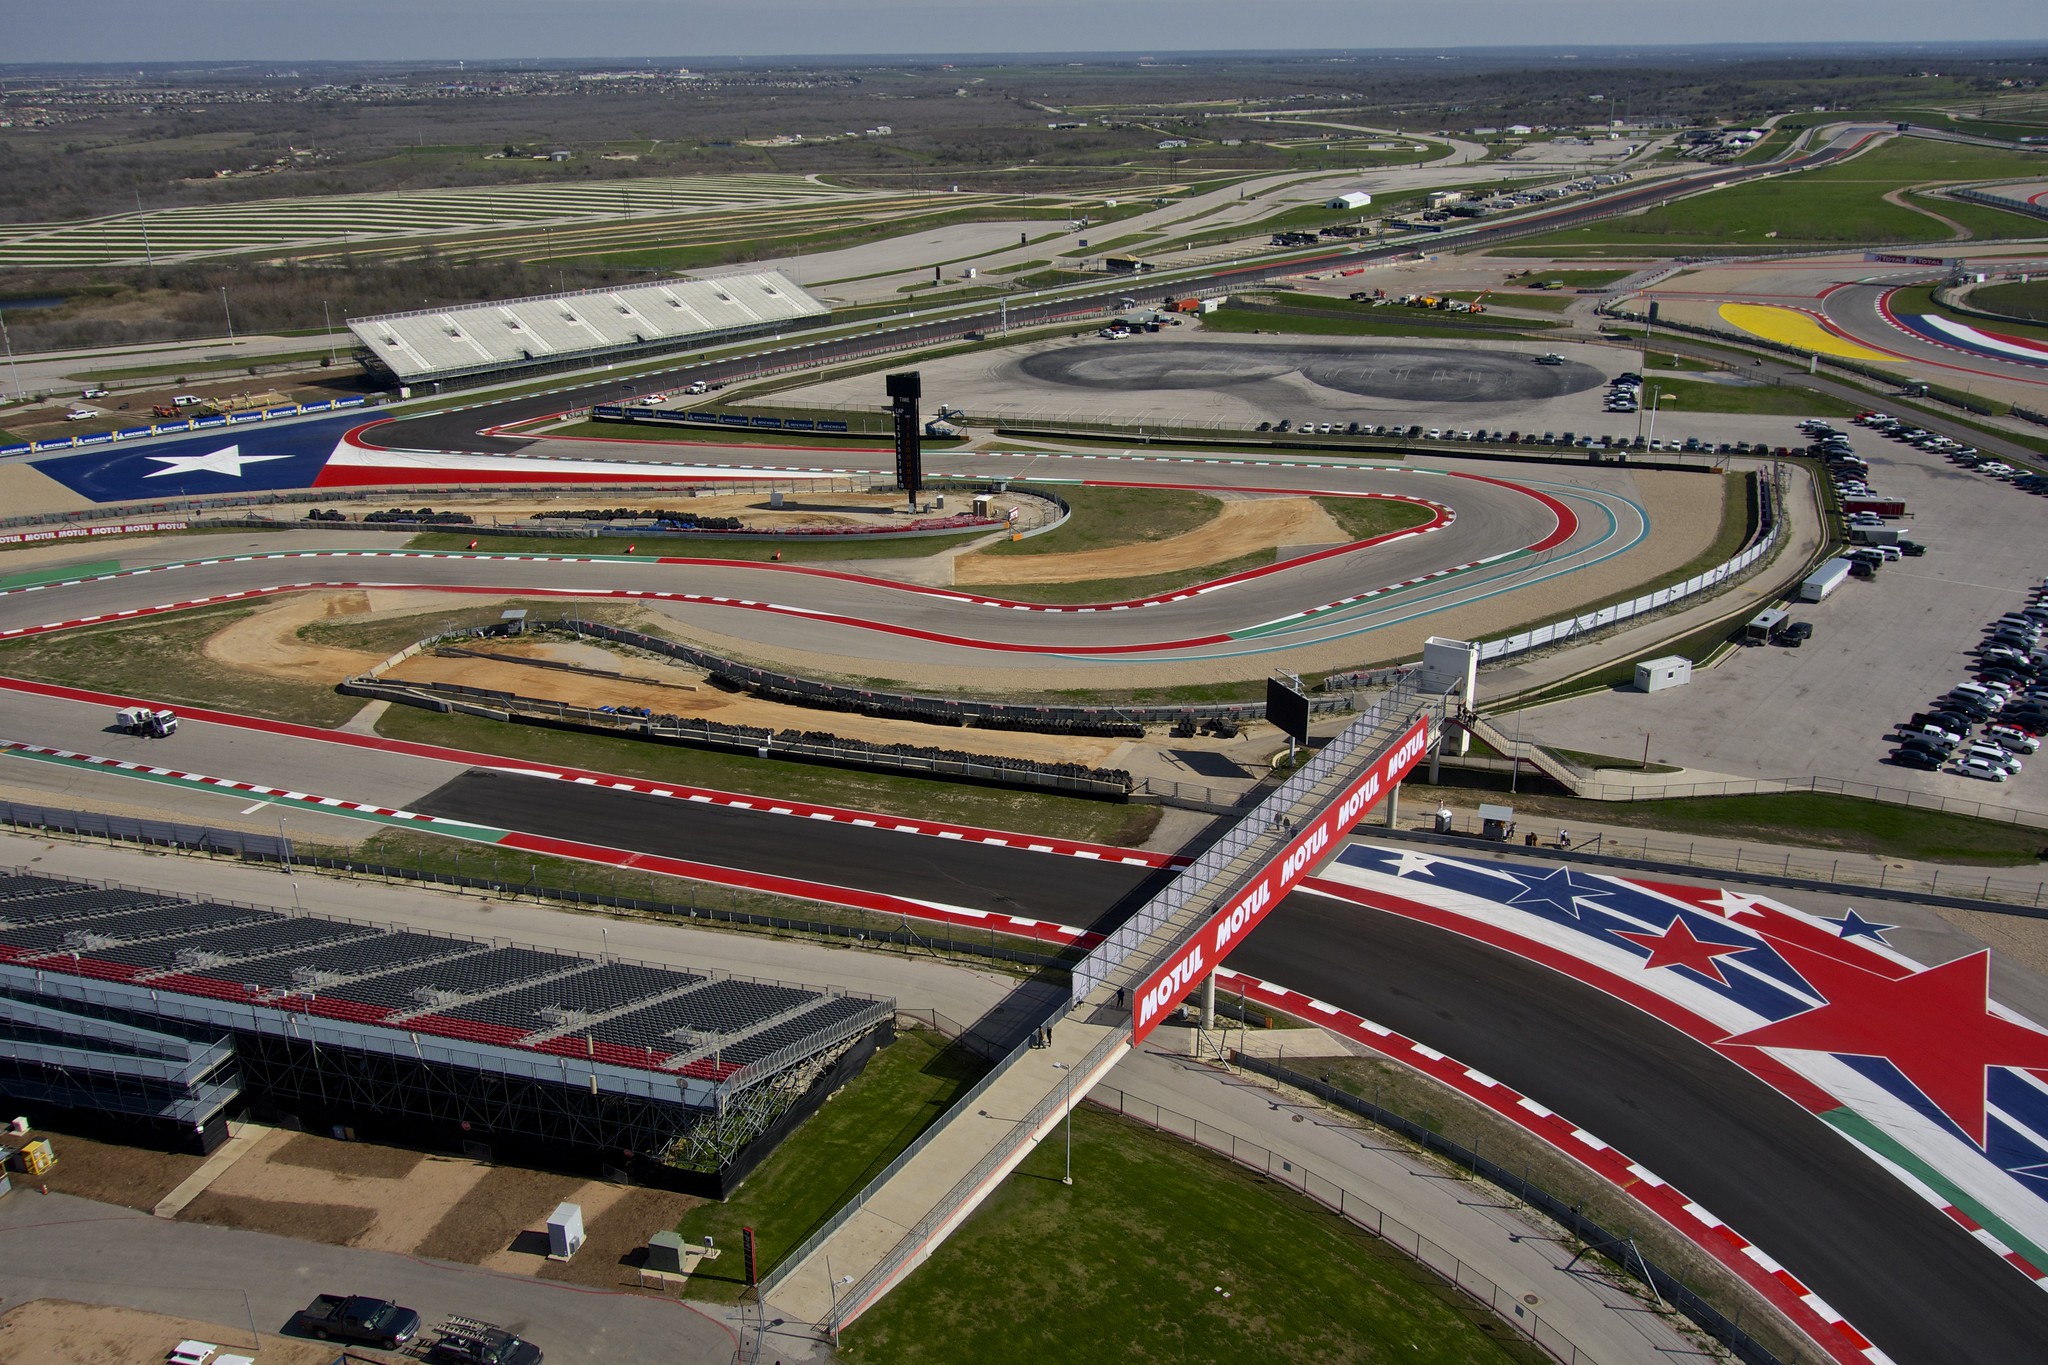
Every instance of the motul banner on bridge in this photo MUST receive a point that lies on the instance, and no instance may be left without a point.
(1206, 948)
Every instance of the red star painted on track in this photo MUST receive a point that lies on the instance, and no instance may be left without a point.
(1678, 946)
(1935, 1026)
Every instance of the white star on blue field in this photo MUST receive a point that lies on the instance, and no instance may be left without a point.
(1561, 890)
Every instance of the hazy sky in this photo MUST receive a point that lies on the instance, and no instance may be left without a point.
(184, 30)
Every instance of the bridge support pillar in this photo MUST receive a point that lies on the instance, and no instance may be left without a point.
(1208, 1002)
(1394, 803)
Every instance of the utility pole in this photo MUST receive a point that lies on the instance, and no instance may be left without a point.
(13, 373)
(228, 314)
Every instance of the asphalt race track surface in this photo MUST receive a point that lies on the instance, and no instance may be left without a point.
(944, 871)
(1904, 1274)
(1901, 1272)
(1368, 369)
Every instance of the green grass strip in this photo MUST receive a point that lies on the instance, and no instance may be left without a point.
(907, 1087)
(1133, 1261)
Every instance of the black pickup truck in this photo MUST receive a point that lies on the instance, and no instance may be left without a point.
(351, 1317)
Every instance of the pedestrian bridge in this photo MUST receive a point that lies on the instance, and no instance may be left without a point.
(1127, 986)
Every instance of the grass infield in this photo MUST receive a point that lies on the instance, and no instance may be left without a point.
(1131, 1264)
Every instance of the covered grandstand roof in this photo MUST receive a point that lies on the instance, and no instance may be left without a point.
(477, 338)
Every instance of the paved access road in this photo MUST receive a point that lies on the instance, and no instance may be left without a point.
(59, 1247)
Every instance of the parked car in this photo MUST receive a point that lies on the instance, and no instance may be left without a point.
(1916, 758)
(1982, 771)
(2013, 738)
(467, 1342)
(352, 1317)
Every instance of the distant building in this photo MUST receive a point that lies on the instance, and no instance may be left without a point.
(1350, 202)
(1173, 144)
(1519, 130)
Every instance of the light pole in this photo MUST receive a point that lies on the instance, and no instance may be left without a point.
(284, 846)
(12, 371)
(228, 314)
(1656, 402)
(327, 320)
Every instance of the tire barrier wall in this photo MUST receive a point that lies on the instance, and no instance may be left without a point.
(807, 746)
(159, 833)
(1113, 721)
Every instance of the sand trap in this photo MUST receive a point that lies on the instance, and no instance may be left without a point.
(1243, 526)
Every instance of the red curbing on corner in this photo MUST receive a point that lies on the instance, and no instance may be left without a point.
(1807, 1310)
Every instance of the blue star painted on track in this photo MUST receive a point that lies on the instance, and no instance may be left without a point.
(1853, 925)
(1561, 890)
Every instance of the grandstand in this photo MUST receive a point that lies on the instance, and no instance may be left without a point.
(485, 340)
(178, 1014)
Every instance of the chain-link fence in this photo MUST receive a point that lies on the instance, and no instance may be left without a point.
(1621, 1250)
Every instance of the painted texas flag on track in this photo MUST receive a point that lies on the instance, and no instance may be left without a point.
(329, 453)
(1916, 1065)
(1976, 340)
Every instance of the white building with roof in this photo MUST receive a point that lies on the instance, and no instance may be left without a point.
(555, 331)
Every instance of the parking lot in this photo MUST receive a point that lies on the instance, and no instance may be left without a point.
(1881, 651)
(1180, 377)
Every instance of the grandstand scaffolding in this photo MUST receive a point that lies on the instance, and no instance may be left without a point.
(180, 1013)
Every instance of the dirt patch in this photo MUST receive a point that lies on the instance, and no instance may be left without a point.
(346, 1160)
(133, 1177)
(615, 1240)
(397, 1210)
(24, 491)
(493, 1214)
(59, 1332)
(339, 1225)
(1243, 526)
(266, 641)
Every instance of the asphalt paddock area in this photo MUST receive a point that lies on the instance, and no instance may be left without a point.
(1391, 372)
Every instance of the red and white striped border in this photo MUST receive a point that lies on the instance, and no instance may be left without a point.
(1807, 1310)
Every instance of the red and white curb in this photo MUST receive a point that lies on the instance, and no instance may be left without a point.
(304, 799)
(1043, 931)
(1807, 1310)
(995, 838)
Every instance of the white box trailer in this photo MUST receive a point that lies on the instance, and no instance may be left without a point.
(1824, 580)
(1655, 675)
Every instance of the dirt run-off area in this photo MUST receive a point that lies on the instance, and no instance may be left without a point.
(58, 1332)
(1243, 526)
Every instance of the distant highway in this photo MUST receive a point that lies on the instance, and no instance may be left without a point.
(459, 429)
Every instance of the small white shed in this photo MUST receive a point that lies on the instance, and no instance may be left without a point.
(1351, 202)
(1654, 675)
(565, 1231)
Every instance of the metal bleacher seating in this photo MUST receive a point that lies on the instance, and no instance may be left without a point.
(119, 938)
(828, 1012)
(331, 962)
(723, 1008)
(23, 885)
(558, 1002)
(77, 903)
(470, 974)
(554, 1002)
